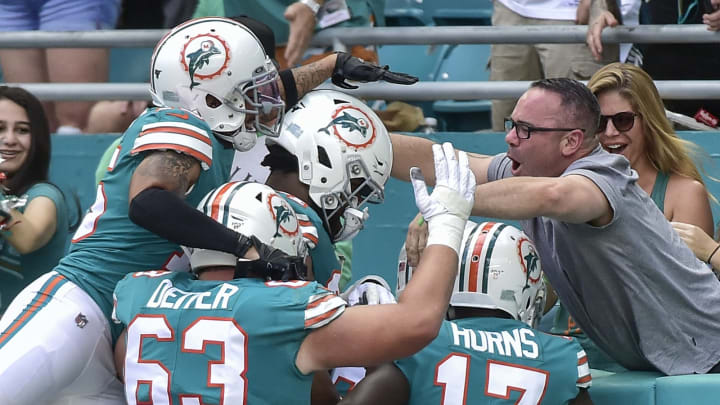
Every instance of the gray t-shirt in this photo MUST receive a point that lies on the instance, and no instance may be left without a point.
(633, 286)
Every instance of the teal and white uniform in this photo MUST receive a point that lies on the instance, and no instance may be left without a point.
(204, 339)
(58, 329)
(325, 263)
(16, 270)
(495, 361)
(108, 244)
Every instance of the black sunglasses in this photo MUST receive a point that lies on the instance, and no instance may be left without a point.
(523, 131)
(622, 121)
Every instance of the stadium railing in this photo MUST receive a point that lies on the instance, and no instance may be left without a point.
(342, 37)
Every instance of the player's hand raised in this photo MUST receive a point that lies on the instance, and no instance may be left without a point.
(448, 207)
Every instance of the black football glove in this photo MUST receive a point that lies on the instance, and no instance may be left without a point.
(273, 264)
(352, 68)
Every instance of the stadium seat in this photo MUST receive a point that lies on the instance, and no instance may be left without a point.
(652, 388)
(631, 387)
(422, 61)
(405, 13)
(130, 65)
(463, 63)
(688, 389)
(459, 12)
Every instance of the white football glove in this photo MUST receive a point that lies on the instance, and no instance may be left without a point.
(449, 206)
(369, 290)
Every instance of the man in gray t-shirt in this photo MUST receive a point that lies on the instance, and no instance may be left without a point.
(625, 276)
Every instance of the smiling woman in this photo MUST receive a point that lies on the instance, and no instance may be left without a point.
(34, 227)
(634, 124)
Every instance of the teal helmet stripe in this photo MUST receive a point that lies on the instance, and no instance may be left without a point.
(464, 254)
(488, 256)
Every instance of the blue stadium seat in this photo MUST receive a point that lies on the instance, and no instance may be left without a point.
(405, 13)
(688, 389)
(459, 12)
(422, 61)
(130, 65)
(464, 62)
(631, 387)
(653, 388)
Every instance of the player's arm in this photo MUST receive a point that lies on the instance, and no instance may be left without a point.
(413, 151)
(339, 66)
(33, 229)
(157, 203)
(409, 151)
(382, 333)
(386, 385)
(583, 398)
(572, 198)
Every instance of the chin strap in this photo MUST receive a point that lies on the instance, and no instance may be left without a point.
(353, 222)
(273, 264)
(242, 141)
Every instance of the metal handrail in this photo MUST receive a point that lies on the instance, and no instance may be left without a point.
(692, 33)
(422, 91)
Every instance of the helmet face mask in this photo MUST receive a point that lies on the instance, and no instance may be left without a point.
(341, 209)
(217, 68)
(499, 268)
(344, 155)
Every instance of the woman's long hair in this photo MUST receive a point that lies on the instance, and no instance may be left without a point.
(667, 152)
(36, 165)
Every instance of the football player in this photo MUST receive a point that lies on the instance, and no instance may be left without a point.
(487, 351)
(218, 91)
(251, 331)
(334, 154)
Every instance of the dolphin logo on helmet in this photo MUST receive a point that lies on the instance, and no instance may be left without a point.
(498, 268)
(200, 58)
(348, 121)
(282, 214)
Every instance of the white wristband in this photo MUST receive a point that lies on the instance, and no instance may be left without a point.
(447, 230)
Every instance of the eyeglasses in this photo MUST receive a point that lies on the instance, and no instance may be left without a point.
(523, 131)
(622, 121)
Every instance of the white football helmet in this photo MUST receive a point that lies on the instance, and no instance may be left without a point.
(252, 209)
(499, 268)
(344, 154)
(217, 68)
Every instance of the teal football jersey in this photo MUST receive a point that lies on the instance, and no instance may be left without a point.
(108, 245)
(218, 342)
(325, 263)
(495, 361)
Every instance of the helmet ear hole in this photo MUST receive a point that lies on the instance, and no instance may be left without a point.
(323, 157)
(212, 101)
